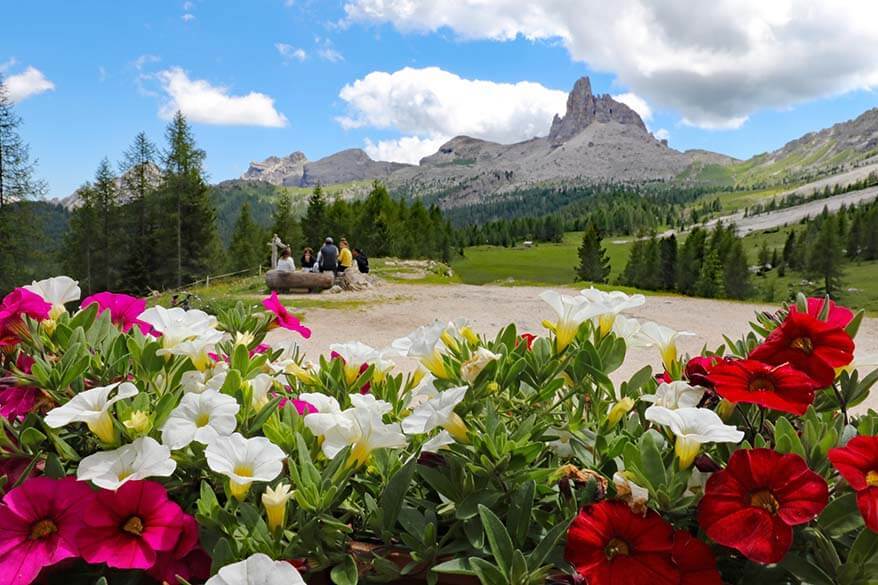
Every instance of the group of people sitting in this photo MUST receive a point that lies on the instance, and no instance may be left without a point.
(330, 258)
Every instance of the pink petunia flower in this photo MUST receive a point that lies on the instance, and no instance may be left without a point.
(126, 529)
(301, 406)
(16, 304)
(16, 402)
(284, 318)
(124, 309)
(187, 559)
(39, 524)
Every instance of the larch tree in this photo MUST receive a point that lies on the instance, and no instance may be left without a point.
(106, 232)
(188, 232)
(248, 241)
(140, 175)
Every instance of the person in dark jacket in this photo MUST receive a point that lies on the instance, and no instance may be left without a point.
(327, 258)
(361, 260)
(308, 259)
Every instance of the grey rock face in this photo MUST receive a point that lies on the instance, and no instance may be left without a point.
(348, 165)
(286, 170)
(584, 108)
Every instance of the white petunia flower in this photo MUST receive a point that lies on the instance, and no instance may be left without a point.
(693, 427)
(257, 569)
(355, 355)
(634, 495)
(360, 427)
(178, 325)
(142, 458)
(442, 439)
(438, 412)
(664, 337)
(675, 395)
(424, 391)
(615, 302)
(572, 313)
(471, 368)
(560, 446)
(424, 344)
(57, 291)
(197, 349)
(200, 417)
(196, 382)
(92, 407)
(244, 461)
(260, 385)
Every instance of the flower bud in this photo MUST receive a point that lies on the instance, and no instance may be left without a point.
(469, 335)
(138, 422)
(275, 502)
(619, 410)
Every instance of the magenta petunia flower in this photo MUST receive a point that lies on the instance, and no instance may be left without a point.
(301, 406)
(126, 529)
(124, 309)
(17, 401)
(284, 318)
(17, 303)
(187, 559)
(39, 524)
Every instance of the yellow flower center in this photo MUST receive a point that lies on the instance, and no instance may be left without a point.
(803, 344)
(763, 499)
(616, 547)
(134, 526)
(42, 529)
(761, 384)
(243, 470)
(872, 478)
(202, 419)
(124, 474)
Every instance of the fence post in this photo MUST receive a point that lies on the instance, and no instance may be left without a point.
(207, 281)
(260, 270)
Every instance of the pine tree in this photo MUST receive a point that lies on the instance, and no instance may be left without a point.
(79, 242)
(689, 262)
(764, 255)
(245, 250)
(710, 282)
(825, 258)
(188, 235)
(17, 185)
(668, 259)
(285, 224)
(314, 222)
(594, 265)
(139, 175)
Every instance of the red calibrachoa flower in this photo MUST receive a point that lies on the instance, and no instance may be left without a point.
(528, 339)
(698, 368)
(755, 501)
(857, 462)
(781, 387)
(837, 316)
(608, 544)
(694, 560)
(809, 345)
(187, 560)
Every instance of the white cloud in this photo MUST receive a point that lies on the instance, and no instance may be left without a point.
(289, 52)
(326, 51)
(8, 64)
(714, 62)
(28, 83)
(188, 17)
(636, 103)
(408, 149)
(209, 104)
(187, 6)
(433, 103)
(662, 134)
(102, 73)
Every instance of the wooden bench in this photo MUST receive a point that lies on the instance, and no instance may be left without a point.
(299, 281)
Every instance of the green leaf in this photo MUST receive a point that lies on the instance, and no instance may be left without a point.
(854, 326)
(498, 539)
(222, 555)
(519, 514)
(263, 415)
(841, 516)
(31, 438)
(786, 439)
(651, 461)
(394, 494)
(487, 573)
(865, 547)
(805, 571)
(53, 467)
(455, 567)
(345, 573)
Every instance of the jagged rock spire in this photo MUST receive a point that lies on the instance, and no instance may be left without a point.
(584, 108)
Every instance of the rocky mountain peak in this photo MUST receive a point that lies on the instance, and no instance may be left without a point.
(585, 108)
(278, 170)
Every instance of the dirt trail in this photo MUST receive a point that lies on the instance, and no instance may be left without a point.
(393, 310)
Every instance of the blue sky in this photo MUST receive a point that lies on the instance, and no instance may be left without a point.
(90, 75)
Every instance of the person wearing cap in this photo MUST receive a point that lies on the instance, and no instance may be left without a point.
(345, 259)
(327, 258)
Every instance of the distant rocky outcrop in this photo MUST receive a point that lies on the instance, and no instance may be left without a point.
(296, 170)
(123, 184)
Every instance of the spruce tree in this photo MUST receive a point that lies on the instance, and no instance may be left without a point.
(285, 224)
(711, 279)
(17, 185)
(314, 222)
(139, 174)
(737, 271)
(668, 260)
(80, 244)
(594, 265)
(188, 239)
(245, 250)
(825, 258)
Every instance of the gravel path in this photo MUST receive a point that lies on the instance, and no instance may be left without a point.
(393, 310)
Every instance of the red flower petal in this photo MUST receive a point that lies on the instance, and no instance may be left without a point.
(867, 502)
(694, 560)
(777, 387)
(855, 460)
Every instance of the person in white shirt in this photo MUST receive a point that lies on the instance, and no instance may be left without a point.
(285, 262)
